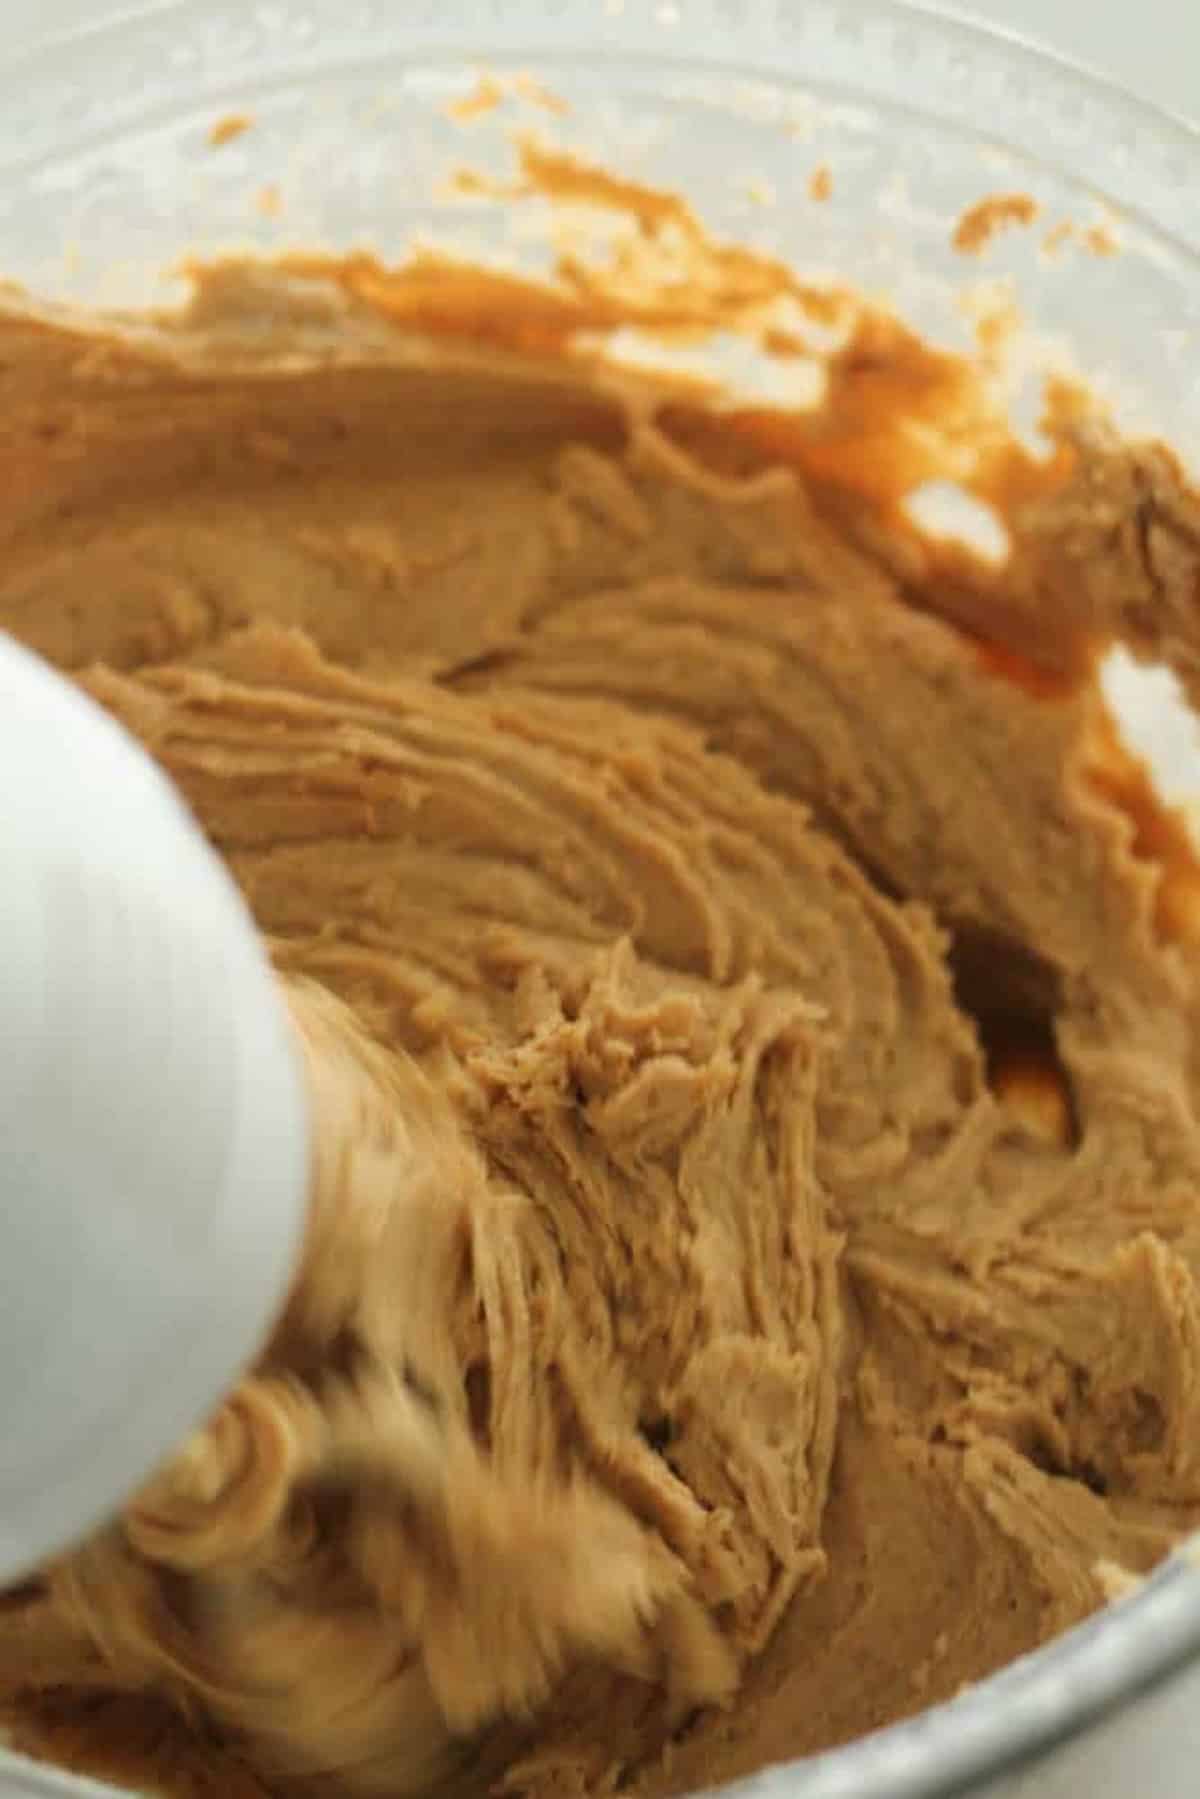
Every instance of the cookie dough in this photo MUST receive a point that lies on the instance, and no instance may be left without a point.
(750, 999)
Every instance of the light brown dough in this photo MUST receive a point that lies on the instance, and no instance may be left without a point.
(751, 1008)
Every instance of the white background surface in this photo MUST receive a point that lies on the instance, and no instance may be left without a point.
(1152, 46)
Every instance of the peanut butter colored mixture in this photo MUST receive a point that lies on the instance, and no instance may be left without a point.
(751, 1002)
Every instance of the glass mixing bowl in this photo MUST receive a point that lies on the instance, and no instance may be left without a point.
(108, 175)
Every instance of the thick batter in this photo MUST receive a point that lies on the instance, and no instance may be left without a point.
(751, 1005)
